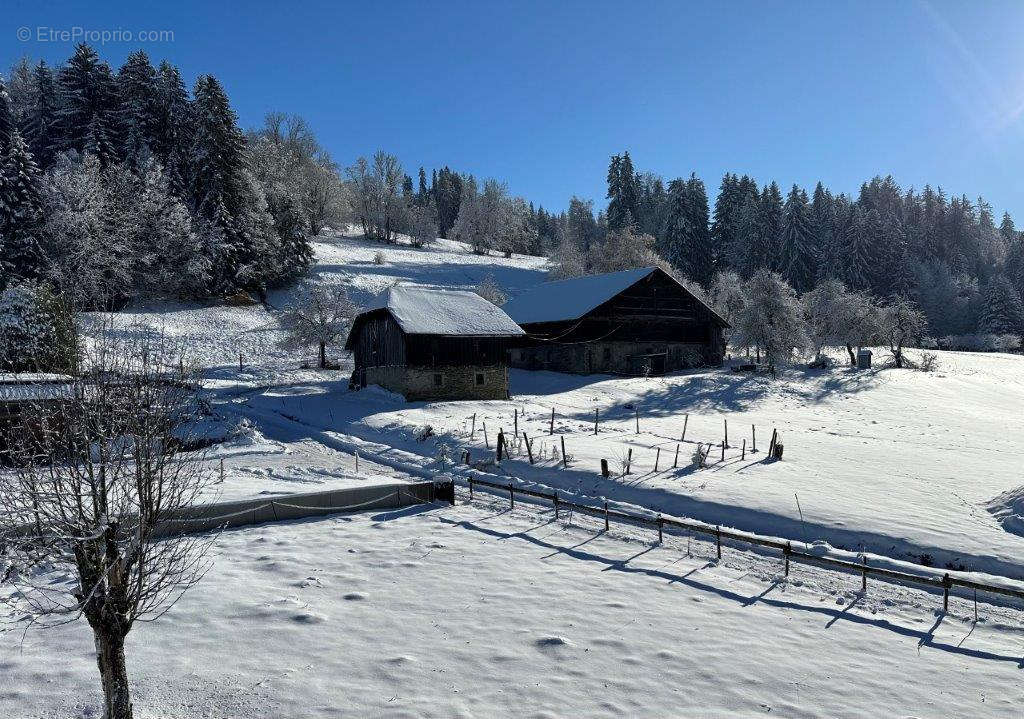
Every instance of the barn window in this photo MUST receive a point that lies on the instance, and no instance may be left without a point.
(479, 378)
(438, 379)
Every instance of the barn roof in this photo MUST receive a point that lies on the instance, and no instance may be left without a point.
(571, 299)
(31, 386)
(430, 311)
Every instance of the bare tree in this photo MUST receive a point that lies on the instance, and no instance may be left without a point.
(319, 318)
(85, 516)
(491, 291)
(901, 324)
(378, 195)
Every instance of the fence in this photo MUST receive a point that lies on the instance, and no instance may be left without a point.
(222, 515)
(789, 554)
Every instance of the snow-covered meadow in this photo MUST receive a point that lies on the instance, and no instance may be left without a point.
(474, 611)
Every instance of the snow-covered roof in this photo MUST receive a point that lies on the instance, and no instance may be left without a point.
(571, 299)
(30, 387)
(429, 311)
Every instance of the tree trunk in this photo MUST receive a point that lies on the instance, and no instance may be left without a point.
(853, 357)
(114, 674)
(323, 355)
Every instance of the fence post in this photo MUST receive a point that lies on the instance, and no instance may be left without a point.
(753, 438)
(565, 460)
(686, 421)
(529, 447)
(604, 468)
(551, 429)
(946, 584)
(661, 525)
(629, 460)
(511, 497)
(657, 457)
(785, 553)
(555, 496)
(723, 451)
(726, 441)
(515, 419)
(744, 455)
(596, 416)
(638, 420)
(487, 442)
(222, 471)
(606, 515)
(470, 489)
(501, 442)
(472, 430)
(864, 575)
(718, 539)
(675, 462)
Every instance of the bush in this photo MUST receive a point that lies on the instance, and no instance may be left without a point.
(378, 258)
(929, 362)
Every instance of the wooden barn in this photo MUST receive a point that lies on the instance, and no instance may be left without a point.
(25, 400)
(429, 344)
(635, 322)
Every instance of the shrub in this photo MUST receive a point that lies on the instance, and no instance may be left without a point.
(378, 258)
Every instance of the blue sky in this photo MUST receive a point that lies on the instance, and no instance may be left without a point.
(541, 94)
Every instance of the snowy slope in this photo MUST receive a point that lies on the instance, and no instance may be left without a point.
(473, 611)
(896, 462)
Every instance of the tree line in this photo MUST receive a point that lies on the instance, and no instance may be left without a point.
(119, 185)
(945, 255)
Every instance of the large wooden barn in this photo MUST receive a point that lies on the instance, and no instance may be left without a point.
(635, 322)
(429, 344)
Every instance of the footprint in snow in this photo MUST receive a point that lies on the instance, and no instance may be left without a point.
(307, 618)
(551, 642)
(354, 597)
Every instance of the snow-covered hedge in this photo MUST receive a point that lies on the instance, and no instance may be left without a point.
(974, 343)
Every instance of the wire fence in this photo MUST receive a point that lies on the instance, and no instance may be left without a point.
(944, 583)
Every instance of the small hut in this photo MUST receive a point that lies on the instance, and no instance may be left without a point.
(634, 322)
(433, 344)
(25, 400)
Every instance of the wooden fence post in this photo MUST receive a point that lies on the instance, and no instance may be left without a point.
(515, 419)
(946, 584)
(723, 451)
(675, 462)
(555, 499)
(771, 445)
(511, 497)
(239, 361)
(726, 440)
(718, 540)
(596, 416)
(472, 430)
(604, 468)
(657, 457)
(606, 515)
(629, 460)
(753, 439)
(565, 460)
(221, 471)
(551, 429)
(500, 444)
(638, 420)
(357, 461)
(487, 442)
(661, 526)
(686, 421)
(744, 455)
(529, 447)
(785, 553)
(864, 575)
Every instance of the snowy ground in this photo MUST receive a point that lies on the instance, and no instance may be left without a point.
(474, 611)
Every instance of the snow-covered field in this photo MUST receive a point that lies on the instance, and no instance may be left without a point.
(474, 611)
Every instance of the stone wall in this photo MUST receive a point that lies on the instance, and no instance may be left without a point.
(442, 383)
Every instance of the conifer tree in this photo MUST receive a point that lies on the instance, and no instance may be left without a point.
(41, 123)
(797, 242)
(1002, 311)
(137, 93)
(20, 210)
(88, 103)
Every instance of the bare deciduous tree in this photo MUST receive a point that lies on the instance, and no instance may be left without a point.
(85, 516)
(320, 318)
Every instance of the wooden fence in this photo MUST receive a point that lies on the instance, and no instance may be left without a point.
(789, 554)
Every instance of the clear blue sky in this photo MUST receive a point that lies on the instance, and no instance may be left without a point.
(541, 94)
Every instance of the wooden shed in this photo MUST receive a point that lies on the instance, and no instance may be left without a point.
(634, 322)
(429, 344)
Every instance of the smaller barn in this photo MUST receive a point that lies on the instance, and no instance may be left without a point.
(433, 344)
(634, 322)
(25, 400)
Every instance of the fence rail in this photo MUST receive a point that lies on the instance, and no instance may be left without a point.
(789, 554)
